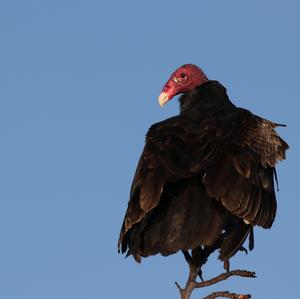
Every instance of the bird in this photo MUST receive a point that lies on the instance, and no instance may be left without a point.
(206, 177)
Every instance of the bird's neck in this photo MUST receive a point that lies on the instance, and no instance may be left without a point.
(206, 99)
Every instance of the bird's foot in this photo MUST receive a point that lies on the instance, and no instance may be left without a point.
(242, 248)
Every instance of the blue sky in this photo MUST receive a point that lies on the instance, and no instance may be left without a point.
(79, 86)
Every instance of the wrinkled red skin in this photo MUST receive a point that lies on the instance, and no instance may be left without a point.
(194, 77)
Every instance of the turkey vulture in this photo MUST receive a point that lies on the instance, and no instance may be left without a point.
(205, 177)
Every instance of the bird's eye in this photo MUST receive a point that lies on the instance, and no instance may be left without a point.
(180, 78)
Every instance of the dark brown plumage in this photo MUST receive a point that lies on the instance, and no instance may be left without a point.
(205, 177)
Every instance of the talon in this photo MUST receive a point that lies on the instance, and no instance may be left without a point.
(200, 275)
(243, 249)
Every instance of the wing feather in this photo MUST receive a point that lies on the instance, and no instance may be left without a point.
(235, 154)
(243, 179)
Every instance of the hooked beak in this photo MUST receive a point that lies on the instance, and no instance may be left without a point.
(163, 98)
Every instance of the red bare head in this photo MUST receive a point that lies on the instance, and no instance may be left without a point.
(184, 79)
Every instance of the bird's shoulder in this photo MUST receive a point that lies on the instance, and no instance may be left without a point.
(259, 135)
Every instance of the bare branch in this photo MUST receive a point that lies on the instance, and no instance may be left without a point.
(195, 261)
(224, 276)
(226, 294)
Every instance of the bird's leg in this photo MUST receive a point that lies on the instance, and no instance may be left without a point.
(194, 260)
(194, 269)
(187, 256)
(199, 256)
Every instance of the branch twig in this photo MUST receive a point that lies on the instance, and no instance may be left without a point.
(224, 276)
(195, 262)
(226, 294)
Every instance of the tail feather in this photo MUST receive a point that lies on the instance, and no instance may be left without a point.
(251, 239)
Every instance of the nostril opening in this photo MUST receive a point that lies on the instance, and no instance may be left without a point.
(166, 87)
